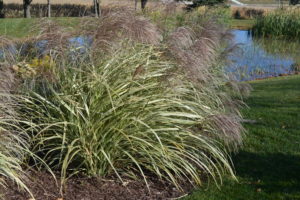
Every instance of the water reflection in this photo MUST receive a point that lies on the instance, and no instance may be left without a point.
(261, 58)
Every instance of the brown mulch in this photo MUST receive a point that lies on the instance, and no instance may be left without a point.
(44, 187)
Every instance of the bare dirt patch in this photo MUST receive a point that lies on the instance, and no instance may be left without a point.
(44, 187)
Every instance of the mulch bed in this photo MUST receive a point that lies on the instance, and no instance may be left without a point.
(44, 187)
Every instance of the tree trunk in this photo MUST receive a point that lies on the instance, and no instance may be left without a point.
(97, 8)
(135, 4)
(1, 9)
(144, 2)
(49, 8)
(27, 11)
(27, 6)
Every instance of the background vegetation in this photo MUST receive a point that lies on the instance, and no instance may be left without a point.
(282, 23)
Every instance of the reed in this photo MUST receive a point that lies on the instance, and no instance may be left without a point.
(281, 23)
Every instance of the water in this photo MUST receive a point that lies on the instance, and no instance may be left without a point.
(262, 58)
(77, 46)
(256, 59)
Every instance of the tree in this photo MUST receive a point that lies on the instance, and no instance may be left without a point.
(294, 2)
(143, 4)
(26, 6)
(97, 8)
(1, 9)
(49, 8)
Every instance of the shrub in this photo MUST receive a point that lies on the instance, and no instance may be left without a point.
(247, 13)
(294, 2)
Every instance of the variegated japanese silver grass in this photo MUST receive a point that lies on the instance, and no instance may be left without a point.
(120, 116)
(11, 157)
(13, 138)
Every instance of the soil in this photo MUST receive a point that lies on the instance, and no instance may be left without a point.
(44, 187)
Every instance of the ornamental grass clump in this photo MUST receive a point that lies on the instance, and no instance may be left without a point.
(120, 117)
(198, 52)
(117, 24)
(134, 105)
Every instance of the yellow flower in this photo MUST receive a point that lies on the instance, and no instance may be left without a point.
(35, 67)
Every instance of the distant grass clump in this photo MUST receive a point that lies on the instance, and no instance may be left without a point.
(281, 23)
(172, 16)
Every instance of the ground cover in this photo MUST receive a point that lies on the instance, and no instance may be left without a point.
(268, 165)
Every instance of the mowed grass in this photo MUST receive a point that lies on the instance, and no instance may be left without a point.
(16, 27)
(21, 27)
(268, 166)
(242, 24)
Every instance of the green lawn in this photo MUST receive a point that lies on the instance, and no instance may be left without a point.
(268, 166)
(243, 24)
(20, 27)
(16, 28)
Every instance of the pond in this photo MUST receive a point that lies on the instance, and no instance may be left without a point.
(262, 58)
(76, 46)
(255, 59)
